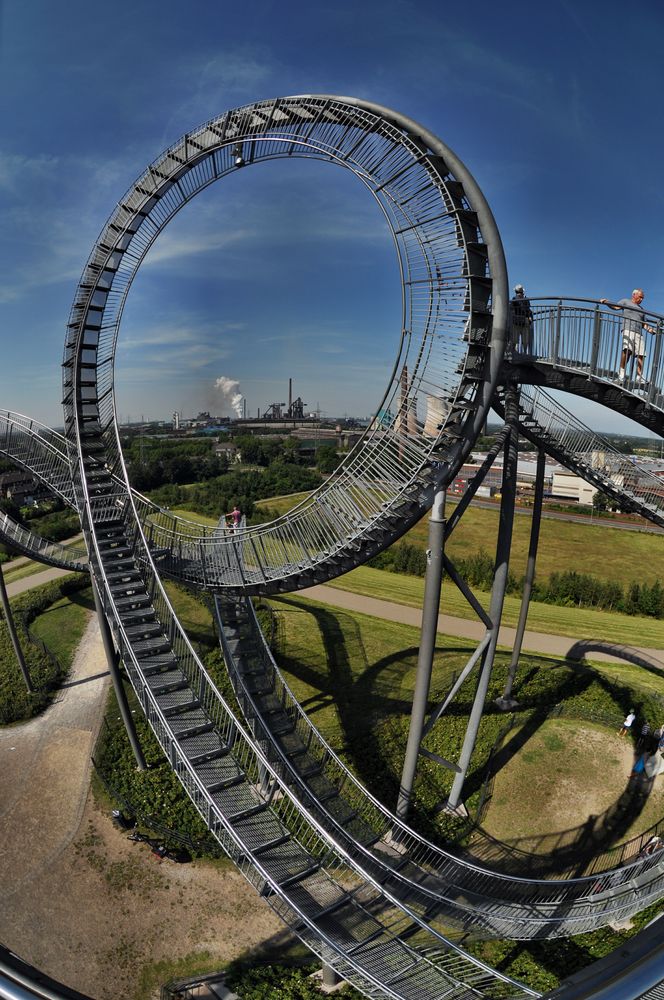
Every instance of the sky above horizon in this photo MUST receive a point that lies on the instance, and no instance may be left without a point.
(287, 270)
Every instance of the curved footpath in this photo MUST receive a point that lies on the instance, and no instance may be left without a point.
(44, 775)
(533, 642)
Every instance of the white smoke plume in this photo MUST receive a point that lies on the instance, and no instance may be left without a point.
(228, 387)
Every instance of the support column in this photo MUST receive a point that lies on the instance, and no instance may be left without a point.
(507, 702)
(429, 628)
(503, 545)
(11, 628)
(113, 660)
(330, 978)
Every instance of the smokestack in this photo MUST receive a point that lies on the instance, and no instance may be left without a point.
(290, 394)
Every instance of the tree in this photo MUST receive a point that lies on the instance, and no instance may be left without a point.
(327, 459)
(600, 502)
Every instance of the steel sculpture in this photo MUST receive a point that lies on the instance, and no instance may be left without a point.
(271, 791)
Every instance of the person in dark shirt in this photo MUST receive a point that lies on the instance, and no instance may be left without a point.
(522, 321)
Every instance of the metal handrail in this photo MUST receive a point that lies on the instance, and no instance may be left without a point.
(443, 300)
(436, 874)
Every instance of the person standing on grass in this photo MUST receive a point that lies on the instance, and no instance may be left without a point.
(644, 737)
(627, 724)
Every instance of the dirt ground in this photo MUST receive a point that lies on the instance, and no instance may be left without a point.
(553, 779)
(107, 908)
(80, 901)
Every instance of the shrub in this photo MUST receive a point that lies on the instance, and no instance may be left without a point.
(16, 703)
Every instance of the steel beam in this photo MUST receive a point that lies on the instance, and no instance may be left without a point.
(113, 661)
(429, 629)
(503, 545)
(11, 628)
(506, 702)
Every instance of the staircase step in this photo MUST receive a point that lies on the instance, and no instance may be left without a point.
(166, 680)
(158, 662)
(203, 748)
(192, 730)
(177, 701)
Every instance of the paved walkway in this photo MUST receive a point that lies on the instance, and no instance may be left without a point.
(44, 770)
(35, 580)
(533, 642)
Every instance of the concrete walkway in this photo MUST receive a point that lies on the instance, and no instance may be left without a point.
(45, 769)
(533, 642)
(35, 580)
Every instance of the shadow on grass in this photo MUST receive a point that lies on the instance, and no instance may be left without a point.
(590, 846)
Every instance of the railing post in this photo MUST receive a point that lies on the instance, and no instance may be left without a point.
(556, 336)
(597, 330)
(654, 389)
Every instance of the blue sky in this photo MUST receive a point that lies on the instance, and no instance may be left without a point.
(286, 269)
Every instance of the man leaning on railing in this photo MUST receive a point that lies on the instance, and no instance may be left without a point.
(633, 325)
(521, 316)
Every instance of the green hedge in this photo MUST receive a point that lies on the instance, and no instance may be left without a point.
(281, 982)
(16, 704)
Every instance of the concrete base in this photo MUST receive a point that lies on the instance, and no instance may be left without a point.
(459, 811)
(392, 843)
(506, 704)
(317, 976)
(621, 925)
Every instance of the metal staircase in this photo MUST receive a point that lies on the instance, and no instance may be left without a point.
(550, 426)
(437, 882)
(40, 549)
(364, 892)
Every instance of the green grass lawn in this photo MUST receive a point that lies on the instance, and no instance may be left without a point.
(550, 618)
(61, 626)
(607, 552)
(355, 676)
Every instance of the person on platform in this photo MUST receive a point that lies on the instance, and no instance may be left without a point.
(633, 325)
(522, 321)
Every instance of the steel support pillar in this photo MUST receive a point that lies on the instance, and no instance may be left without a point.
(430, 609)
(11, 628)
(330, 978)
(113, 661)
(503, 545)
(506, 702)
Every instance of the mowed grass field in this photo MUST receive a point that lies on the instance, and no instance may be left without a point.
(606, 552)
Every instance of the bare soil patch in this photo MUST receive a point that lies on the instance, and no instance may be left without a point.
(568, 774)
(107, 908)
(79, 900)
